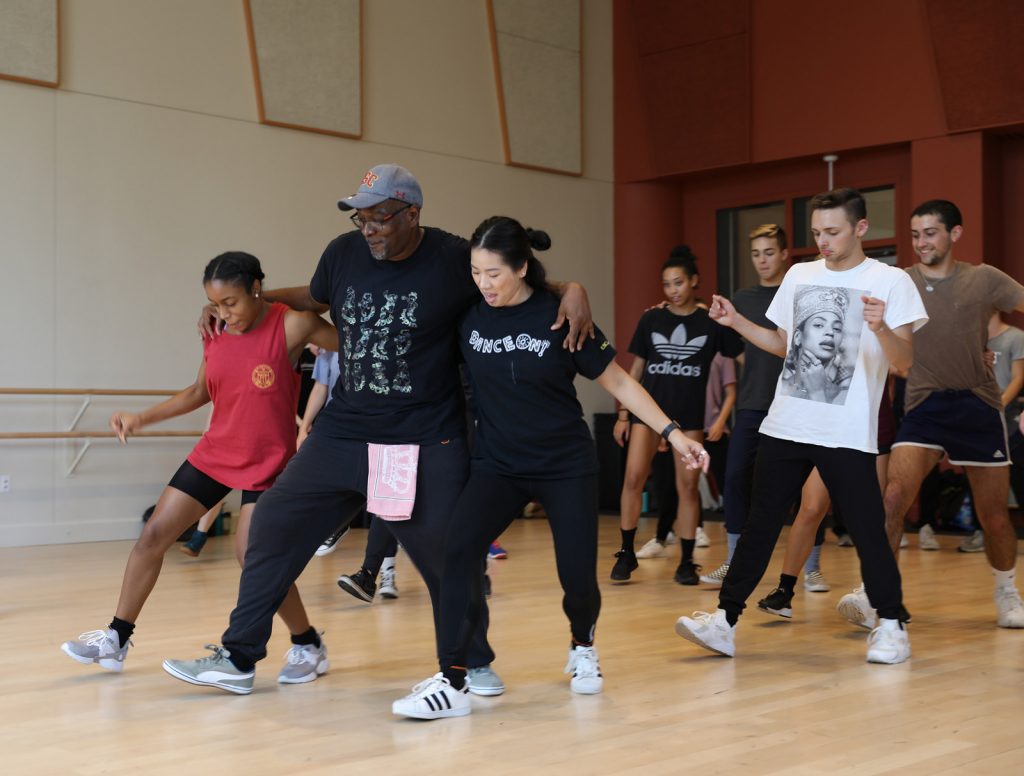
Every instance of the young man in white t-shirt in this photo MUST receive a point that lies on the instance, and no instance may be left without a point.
(842, 321)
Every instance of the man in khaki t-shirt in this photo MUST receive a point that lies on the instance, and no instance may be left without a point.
(953, 403)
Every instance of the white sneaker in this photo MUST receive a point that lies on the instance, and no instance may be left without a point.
(856, 608)
(670, 539)
(926, 539)
(814, 582)
(715, 577)
(304, 663)
(98, 646)
(888, 643)
(434, 698)
(1010, 608)
(653, 549)
(388, 588)
(711, 631)
(586, 673)
(973, 543)
(701, 538)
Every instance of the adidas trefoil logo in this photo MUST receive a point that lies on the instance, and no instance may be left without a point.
(677, 348)
(998, 454)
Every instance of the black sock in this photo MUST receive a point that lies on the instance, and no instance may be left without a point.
(732, 614)
(456, 676)
(243, 664)
(198, 537)
(123, 629)
(787, 583)
(309, 638)
(628, 539)
(688, 545)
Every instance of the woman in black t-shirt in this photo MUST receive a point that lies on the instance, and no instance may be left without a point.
(673, 348)
(532, 444)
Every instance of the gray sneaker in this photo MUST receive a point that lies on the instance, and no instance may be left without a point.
(483, 681)
(213, 671)
(98, 646)
(304, 663)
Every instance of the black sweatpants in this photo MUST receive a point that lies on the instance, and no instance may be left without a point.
(850, 476)
(487, 506)
(327, 477)
(380, 544)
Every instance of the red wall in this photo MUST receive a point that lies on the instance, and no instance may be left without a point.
(733, 103)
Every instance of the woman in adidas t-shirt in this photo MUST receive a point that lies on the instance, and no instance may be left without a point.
(532, 444)
(673, 348)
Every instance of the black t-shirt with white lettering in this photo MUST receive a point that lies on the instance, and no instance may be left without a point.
(529, 421)
(397, 349)
(761, 369)
(678, 350)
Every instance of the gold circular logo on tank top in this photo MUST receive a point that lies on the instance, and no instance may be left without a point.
(263, 376)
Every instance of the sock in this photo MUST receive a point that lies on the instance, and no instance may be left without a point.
(123, 629)
(243, 664)
(628, 539)
(389, 563)
(733, 539)
(309, 638)
(688, 545)
(456, 676)
(813, 560)
(198, 537)
(787, 582)
(1003, 579)
(732, 615)
(888, 624)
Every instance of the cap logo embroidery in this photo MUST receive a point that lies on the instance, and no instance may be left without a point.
(369, 179)
(263, 376)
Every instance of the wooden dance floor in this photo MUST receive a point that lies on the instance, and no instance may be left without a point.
(798, 698)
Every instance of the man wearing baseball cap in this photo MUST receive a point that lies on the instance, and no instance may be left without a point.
(395, 291)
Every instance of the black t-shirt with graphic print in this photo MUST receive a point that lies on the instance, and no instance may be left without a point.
(529, 421)
(678, 350)
(397, 350)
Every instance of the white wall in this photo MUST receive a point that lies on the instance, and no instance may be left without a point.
(149, 160)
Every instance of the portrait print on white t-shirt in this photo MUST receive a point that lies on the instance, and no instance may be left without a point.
(822, 357)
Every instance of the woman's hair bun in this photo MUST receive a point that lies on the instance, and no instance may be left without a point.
(539, 239)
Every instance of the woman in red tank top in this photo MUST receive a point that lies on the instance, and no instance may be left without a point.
(248, 374)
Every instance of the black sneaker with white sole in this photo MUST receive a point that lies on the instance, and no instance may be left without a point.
(359, 585)
(777, 602)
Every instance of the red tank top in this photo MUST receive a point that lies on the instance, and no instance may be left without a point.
(255, 393)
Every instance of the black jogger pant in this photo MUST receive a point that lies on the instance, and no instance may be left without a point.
(852, 482)
(327, 477)
(487, 506)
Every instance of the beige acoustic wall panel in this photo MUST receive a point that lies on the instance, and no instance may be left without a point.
(537, 62)
(29, 41)
(308, 63)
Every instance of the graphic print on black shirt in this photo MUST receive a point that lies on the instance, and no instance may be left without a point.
(397, 351)
(530, 423)
(678, 350)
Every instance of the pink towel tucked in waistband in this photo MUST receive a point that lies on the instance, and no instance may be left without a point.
(391, 485)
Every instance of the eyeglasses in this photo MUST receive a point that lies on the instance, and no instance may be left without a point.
(376, 223)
